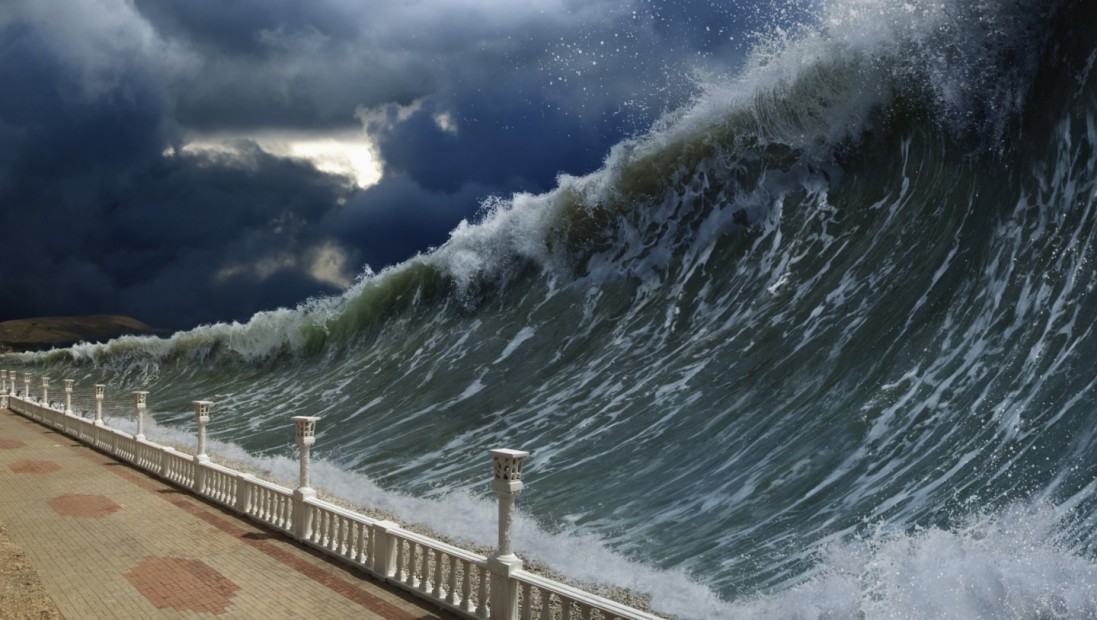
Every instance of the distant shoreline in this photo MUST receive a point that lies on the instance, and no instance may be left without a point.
(44, 333)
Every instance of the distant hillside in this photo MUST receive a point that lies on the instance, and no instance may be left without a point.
(62, 331)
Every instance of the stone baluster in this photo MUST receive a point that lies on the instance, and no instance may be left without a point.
(140, 398)
(306, 437)
(68, 396)
(99, 390)
(507, 484)
(46, 392)
(201, 417)
(26, 386)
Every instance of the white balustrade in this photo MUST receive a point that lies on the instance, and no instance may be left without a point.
(466, 583)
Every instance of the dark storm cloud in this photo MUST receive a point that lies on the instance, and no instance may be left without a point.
(105, 211)
(379, 221)
(498, 144)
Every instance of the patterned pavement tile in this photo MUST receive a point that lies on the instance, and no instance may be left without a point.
(183, 585)
(85, 506)
(34, 467)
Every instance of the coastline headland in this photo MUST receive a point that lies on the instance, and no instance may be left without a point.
(41, 333)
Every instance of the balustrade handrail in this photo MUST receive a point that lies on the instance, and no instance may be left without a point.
(504, 569)
(598, 602)
(432, 543)
(217, 467)
(266, 484)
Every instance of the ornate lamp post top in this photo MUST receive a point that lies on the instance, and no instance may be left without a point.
(140, 399)
(506, 464)
(99, 389)
(201, 411)
(306, 429)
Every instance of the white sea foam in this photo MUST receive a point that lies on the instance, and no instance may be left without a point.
(1008, 564)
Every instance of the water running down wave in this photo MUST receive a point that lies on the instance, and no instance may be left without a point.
(820, 343)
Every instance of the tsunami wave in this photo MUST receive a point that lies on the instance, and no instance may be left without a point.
(776, 127)
(819, 344)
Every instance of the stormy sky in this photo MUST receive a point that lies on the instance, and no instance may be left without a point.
(192, 162)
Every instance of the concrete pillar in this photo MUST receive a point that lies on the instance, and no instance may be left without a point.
(68, 396)
(384, 554)
(507, 484)
(140, 399)
(302, 516)
(26, 386)
(4, 381)
(99, 389)
(46, 391)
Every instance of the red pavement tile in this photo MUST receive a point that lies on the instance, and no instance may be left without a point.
(85, 506)
(183, 585)
(34, 467)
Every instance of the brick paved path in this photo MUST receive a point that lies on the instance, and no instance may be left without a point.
(111, 542)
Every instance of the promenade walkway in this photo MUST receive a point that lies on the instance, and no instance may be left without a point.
(111, 542)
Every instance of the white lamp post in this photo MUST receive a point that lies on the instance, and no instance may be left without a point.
(506, 481)
(201, 417)
(68, 396)
(140, 398)
(99, 389)
(306, 437)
